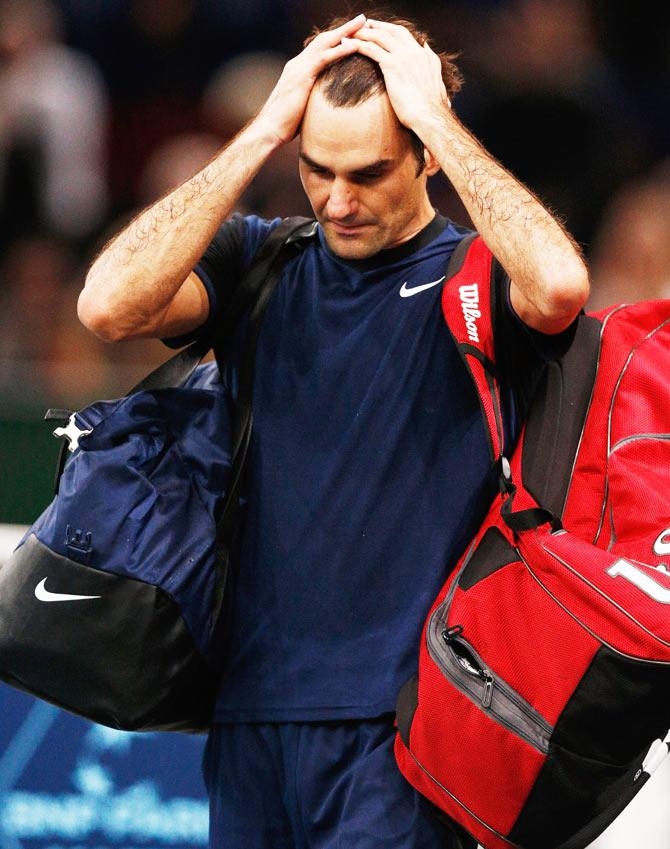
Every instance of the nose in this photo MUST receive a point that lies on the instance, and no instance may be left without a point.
(342, 202)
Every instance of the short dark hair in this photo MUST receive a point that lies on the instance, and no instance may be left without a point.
(356, 78)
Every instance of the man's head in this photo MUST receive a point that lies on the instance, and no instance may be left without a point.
(356, 78)
(365, 173)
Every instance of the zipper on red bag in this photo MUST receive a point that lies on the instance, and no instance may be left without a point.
(460, 663)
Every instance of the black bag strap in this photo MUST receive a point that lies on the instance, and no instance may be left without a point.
(528, 519)
(283, 243)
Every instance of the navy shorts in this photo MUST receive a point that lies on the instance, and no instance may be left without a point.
(331, 785)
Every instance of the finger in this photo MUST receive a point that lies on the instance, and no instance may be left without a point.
(395, 29)
(345, 48)
(332, 37)
(432, 56)
(383, 38)
(368, 48)
(435, 59)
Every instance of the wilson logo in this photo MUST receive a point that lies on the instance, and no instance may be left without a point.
(470, 306)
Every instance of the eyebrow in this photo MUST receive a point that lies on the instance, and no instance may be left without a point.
(372, 168)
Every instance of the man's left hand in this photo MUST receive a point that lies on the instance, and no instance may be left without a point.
(412, 73)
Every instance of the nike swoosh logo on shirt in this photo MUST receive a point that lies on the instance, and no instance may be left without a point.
(43, 594)
(407, 293)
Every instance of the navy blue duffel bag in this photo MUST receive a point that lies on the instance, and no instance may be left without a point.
(110, 607)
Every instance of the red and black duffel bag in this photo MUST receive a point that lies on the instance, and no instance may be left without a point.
(542, 700)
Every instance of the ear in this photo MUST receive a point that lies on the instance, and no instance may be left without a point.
(431, 165)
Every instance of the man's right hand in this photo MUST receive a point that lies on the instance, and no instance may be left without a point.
(281, 115)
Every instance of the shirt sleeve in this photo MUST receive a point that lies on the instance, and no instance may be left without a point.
(223, 265)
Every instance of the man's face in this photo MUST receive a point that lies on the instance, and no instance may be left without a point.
(359, 172)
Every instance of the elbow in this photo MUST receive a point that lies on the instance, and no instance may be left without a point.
(98, 317)
(567, 294)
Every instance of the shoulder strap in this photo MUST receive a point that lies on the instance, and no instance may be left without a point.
(280, 245)
(468, 305)
(283, 243)
(258, 285)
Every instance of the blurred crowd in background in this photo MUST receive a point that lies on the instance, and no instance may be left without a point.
(105, 105)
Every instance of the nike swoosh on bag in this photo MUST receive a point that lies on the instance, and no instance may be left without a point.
(43, 594)
(407, 293)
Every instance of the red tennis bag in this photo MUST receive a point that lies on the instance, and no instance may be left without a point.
(543, 694)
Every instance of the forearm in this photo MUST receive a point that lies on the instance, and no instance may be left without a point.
(541, 259)
(139, 272)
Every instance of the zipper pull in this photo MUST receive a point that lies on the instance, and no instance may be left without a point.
(448, 634)
(487, 698)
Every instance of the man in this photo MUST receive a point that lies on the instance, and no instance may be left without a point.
(369, 465)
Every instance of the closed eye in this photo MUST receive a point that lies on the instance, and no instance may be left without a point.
(314, 167)
(366, 176)
(375, 171)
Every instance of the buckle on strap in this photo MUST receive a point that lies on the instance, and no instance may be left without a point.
(504, 476)
(528, 519)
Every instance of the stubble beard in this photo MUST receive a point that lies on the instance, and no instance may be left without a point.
(354, 247)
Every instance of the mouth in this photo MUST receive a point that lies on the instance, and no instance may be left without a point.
(348, 229)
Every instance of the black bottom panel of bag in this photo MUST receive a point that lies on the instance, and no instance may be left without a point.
(123, 657)
(620, 794)
(493, 552)
(618, 709)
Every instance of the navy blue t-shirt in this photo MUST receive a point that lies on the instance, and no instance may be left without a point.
(369, 471)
